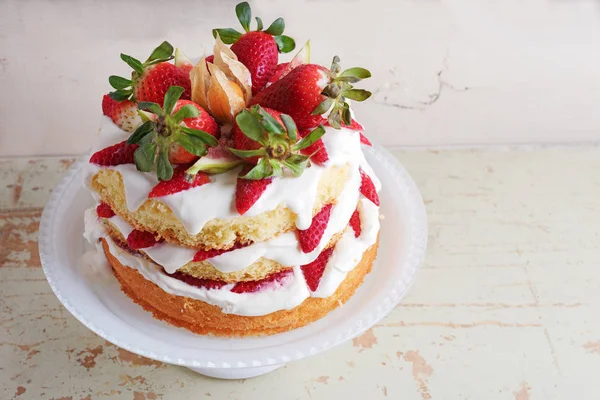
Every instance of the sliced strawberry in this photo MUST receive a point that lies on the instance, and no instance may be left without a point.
(247, 192)
(202, 255)
(278, 71)
(367, 188)
(178, 183)
(355, 223)
(311, 237)
(140, 239)
(123, 113)
(117, 154)
(197, 282)
(317, 149)
(210, 59)
(255, 286)
(104, 211)
(314, 271)
(364, 140)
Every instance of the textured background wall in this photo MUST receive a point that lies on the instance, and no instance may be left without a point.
(445, 72)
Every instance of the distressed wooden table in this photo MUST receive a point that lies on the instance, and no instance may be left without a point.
(506, 306)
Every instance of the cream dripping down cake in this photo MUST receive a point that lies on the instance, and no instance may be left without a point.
(232, 195)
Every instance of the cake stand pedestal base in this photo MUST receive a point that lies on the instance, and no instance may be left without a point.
(236, 373)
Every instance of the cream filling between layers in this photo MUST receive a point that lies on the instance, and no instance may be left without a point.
(216, 200)
(282, 295)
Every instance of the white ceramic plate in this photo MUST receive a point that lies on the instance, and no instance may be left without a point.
(97, 301)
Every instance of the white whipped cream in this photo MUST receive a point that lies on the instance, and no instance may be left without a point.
(283, 295)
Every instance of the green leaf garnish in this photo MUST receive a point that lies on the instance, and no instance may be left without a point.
(187, 111)
(164, 170)
(297, 164)
(204, 136)
(133, 63)
(192, 144)
(285, 44)
(153, 107)
(164, 52)
(276, 28)
(144, 156)
(259, 24)
(118, 82)
(251, 127)
(356, 94)
(269, 123)
(227, 35)
(262, 170)
(356, 72)
(244, 15)
(290, 127)
(119, 95)
(247, 153)
(171, 97)
(310, 138)
(142, 130)
(323, 107)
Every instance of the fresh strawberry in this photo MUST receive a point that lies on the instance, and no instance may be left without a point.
(123, 113)
(204, 122)
(364, 140)
(210, 59)
(248, 191)
(311, 237)
(255, 286)
(269, 139)
(104, 211)
(173, 135)
(355, 223)
(198, 282)
(178, 183)
(141, 240)
(278, 72)
(257, 50)
(310, 90)
(317, 150)
(117, 154)
(367, 188)
(202, 255)
(151, 80)
(313, 272)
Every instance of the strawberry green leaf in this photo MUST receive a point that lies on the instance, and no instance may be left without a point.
(296, 164)
(142, 130)
(164, 52)
(192, 144)
(133, 63)
(285, 44)
(290, 127)
(323, 106)
(164, 170)
(247, 153)
(153, 107)
(244, 14)
(310, 138)
(335, 66)
(228, 35)
(356, 73)
(262, 170)
(268, 122)
(356, 94)
(347, 115)
(204, 136)
(335, 118)
(259, 24)
(187, 111)
(251, 127)
(276, 166)
(144, 156)
(120, 95)
(171, 97)
(118, 82)
(276, 28)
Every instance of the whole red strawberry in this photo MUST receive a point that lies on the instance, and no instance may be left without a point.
(257, 50)
(123, 113)
(269, 139)
(204, 122)
(172, 135)
(310, 90)
(151, 80)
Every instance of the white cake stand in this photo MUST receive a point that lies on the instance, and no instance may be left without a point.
(94, 297)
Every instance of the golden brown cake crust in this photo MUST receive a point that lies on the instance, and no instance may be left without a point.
(203, 318)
